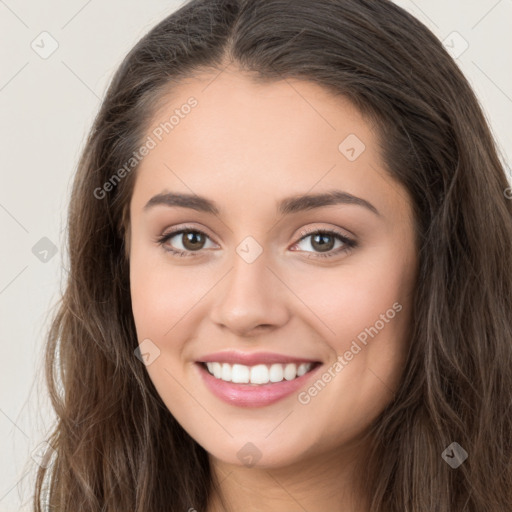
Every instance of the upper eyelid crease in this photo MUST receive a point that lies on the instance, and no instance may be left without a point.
(286, 206)
(305, 233)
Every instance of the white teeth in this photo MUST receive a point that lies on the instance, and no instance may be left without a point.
(217, 370)
(240, 374)
(290, 371)
(259, 374)
(302, 369)
(226, 372)
(276, 373)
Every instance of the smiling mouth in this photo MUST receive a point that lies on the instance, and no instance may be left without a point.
(259, 374)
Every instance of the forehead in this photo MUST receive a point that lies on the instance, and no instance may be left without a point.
(244, 137)
(235, 111)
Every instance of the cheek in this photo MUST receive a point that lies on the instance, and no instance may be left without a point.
(363, 311)
(348, 300)
(161, 293)
(368, 309)
(162, 301)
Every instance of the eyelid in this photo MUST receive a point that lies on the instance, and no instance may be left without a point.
(348, 241)
(309, 231)
(186, 227)
(304, 231)
(178, 230)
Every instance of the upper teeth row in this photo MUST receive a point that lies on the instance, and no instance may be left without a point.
(259, 374)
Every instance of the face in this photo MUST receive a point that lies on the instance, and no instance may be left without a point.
(274, 243)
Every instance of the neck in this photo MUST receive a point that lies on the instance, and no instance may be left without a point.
(316, 483)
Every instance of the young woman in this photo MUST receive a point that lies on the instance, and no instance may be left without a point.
(290, 284)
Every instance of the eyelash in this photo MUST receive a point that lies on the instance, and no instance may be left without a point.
(349, 243)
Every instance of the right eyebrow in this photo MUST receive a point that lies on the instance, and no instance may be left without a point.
(201, 204)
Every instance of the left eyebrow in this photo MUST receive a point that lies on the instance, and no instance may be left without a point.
(286, 206)
(308, 202)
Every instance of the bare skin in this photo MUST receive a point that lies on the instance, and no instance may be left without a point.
(247, 146)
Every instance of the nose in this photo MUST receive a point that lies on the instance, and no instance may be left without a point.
(250, 298)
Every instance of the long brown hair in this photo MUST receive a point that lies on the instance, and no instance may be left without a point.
(118, 448)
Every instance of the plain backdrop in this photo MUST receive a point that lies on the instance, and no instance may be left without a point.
(47, 104)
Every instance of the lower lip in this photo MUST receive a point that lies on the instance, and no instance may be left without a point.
(251, 395)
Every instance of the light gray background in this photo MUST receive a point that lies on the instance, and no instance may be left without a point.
(47, 106)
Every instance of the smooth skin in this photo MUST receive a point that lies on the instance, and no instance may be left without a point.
(246, 146)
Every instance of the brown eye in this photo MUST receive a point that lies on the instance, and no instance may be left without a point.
(323, 243)
(193, 240)
(185, 242)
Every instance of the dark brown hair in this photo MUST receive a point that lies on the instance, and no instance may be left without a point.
(115, 438)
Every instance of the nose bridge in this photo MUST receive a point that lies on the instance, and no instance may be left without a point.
(249, 295)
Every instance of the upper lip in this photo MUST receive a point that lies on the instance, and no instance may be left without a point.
(252, 358)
